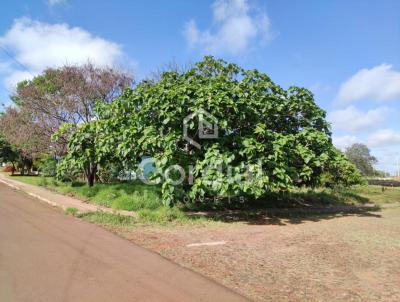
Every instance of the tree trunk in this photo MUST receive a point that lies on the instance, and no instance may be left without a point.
(90, 172)
(90, 179)
(13, 169)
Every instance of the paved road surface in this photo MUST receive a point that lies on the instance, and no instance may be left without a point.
(48, 256)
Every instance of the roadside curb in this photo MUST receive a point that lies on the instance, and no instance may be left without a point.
(58, 200)
(31, 194)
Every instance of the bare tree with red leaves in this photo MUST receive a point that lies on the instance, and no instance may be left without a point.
(59, 95)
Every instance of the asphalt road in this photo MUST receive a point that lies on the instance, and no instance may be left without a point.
(48, 256)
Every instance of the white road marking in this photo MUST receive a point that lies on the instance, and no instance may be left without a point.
(206, 243)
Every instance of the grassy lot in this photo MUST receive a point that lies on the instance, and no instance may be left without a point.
(377, 194)
(304, 246)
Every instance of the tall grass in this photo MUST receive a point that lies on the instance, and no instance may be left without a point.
(124, 196)
(129, 196)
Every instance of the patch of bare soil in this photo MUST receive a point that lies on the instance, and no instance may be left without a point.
(347, 258)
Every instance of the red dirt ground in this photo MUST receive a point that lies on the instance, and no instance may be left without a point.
(326, 258)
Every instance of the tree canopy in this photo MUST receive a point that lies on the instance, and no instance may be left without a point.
(360, 156)
(269, 138)
(57, 96)
(64, 95)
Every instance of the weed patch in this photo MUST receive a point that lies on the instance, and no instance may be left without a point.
(71, 211)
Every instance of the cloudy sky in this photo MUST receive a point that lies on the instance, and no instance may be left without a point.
(346, 52)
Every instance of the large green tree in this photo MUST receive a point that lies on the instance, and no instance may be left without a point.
(269, 138)
(90, 147)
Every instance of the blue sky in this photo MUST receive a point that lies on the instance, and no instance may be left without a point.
(346, 52)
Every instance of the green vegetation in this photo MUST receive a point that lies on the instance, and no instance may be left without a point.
(166, 214)
(32, 180)
(295, 204)
(47, 166)
(12, 154)
(130, 196)
(377, 194)
(270, 139)
(271, 142)
(161, 216)
(135, 196)
(122, 196)
(66, 94)
(71, 211)
(146, 200)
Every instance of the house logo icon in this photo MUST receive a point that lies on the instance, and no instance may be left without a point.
(207, 126)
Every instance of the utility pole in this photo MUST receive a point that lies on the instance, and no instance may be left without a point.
(397, 171)
(398, 167)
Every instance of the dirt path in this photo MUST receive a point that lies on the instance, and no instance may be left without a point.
(48, 256)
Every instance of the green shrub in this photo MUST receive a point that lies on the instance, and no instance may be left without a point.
(66, 172)
(47, 166)
(109, 172)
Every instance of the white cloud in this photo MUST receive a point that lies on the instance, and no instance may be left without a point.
(342, 142)
(55, 2)
(380, 83)
(236, 25)
(37, 45)
(15, 77)
(353, 120)
(384, 138)
(384, 144)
